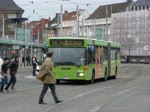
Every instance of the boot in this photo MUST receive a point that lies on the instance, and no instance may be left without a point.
(42, 102)
(59, 101)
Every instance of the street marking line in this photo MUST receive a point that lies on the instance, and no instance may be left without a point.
(110, 98)
(80, 95)
(122, 92)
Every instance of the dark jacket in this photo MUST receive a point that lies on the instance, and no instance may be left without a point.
(4, 68)
(34, 61)
(28, 58)
(13, 66)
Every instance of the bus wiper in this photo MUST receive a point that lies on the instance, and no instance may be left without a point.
(70, 63)
(58, 63)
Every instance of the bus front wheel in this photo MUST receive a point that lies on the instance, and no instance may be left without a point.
(57, 81)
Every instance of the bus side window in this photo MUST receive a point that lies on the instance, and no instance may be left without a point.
(91, 54)
(105, 54)
(113, 54)
(117, 54)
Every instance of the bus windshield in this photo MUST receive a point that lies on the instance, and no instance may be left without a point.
(69, 56)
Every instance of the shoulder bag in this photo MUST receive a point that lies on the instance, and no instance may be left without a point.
(41, 75)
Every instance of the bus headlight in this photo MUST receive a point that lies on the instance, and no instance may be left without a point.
(80, 74)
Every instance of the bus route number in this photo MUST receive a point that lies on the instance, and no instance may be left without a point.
(67, 42)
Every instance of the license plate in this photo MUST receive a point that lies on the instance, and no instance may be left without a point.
(65, 78)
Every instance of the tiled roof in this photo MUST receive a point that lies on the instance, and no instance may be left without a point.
(37, 25)
(141, 3)
(70, 16)
(100, 12)
(9, 5)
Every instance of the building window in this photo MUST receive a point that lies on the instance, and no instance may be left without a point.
(12, 15)
(132, 8)
(139, 7)
(11, 27)
(147, 7)
(143, 7)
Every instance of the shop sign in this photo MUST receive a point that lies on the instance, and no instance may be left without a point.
(15, 47)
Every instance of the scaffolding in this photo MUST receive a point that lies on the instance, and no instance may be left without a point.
(131, 29)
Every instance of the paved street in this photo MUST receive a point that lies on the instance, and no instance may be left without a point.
(130, 92)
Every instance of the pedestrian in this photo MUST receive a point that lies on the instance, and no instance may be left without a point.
(4, 71)
(28, 60)
(34, 64)
(13, 67)
(49, 80)
(1, 63)
(23, 61)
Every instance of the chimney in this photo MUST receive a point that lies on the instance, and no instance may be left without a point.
(42, 23)
(66, 12)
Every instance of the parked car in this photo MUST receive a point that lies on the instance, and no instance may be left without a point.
(123, 60)
(144, 61)
(133, 61)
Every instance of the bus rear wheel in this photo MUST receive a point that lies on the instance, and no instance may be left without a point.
(105, 75)
(116, 73)
(93, 78)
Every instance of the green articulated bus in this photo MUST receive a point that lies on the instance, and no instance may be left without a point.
(83, 58)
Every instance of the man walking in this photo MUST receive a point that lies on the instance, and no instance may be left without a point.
(13, 66)
(49, 80)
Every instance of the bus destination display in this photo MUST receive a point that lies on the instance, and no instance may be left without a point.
(66, 42)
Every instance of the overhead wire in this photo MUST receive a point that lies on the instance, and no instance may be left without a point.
(36, 10)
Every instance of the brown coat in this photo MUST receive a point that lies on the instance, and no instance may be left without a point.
(49, 69)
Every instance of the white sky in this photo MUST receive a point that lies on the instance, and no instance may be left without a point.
(48, 8)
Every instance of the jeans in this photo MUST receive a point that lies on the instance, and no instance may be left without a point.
(12, 81)
(3, 83)
(44, 90)
(33, 70)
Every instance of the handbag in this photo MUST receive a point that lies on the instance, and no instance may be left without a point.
(41, 75)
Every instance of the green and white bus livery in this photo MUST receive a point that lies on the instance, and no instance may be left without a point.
(84, 58)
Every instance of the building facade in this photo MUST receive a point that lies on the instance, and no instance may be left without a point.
(70, 24)
(99, 23)
(131, 29)
(14, 35)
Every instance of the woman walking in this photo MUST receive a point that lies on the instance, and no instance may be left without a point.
(49, 80)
